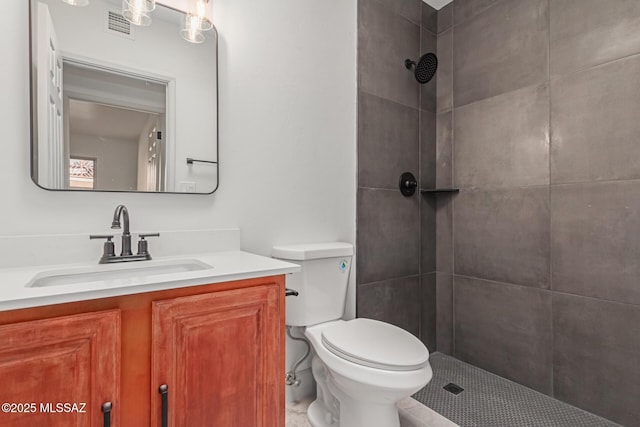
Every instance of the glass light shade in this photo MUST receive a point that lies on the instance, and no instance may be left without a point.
(139, 5)
(204, 10)
(77, 2)
(141, 19)
(206, 24)
(135, 11)
(191, 31)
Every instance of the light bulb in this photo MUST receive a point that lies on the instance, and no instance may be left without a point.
(137, 11)
(142, 6)
(201, 7)
(191, 31)
(77, 2)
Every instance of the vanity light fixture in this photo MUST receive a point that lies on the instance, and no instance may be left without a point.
(77, 2)
(137, 11)
(196, 20)
(191, 31)
(202, 8)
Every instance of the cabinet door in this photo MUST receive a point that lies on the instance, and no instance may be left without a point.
(222, 356)
(47, 364)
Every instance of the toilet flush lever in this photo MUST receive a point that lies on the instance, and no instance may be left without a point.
(290, 292)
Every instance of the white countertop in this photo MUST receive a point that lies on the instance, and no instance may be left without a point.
(227, 266)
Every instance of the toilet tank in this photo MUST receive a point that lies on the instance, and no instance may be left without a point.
(321, 283)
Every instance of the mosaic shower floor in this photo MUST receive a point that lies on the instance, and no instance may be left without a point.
(492, 401)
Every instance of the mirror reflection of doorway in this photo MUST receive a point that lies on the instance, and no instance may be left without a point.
(121, 140)
(119, 120)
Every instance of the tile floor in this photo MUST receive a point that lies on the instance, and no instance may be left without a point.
(487, 401)
(412, 414)
(492, 401)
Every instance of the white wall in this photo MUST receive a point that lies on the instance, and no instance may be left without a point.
(287, 134)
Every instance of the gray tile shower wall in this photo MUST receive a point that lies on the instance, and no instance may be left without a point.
(396, 236)
(396, 301)
(385, 40)
(503, 235)
(381, 121)
(502, 48)
(538, 256)
(509, 131)
(596, 356)
(388, 235)
(504, 328)
(585, 33)
(594, 117)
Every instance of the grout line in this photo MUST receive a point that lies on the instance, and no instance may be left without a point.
(601, 181)
(452, 251)
(498, 282)
(378, 282)
(379, 189)
(366, 92)
(468, 18)
(629, 304)
(385, 6)
(550, 136)
(505, 93)
(557, 185)
(419, 173)
(591, 67)
(492, 188)
(546, 290)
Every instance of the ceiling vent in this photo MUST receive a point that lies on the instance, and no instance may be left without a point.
(117, 24)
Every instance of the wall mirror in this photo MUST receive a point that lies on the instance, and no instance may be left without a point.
(121, 107)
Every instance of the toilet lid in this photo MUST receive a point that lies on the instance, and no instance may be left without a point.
(375, 344)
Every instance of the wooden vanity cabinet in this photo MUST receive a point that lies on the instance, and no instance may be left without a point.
(219, 355)
(218, 348)
(59, 372)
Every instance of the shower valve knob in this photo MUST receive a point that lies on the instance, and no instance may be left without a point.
(408, 184)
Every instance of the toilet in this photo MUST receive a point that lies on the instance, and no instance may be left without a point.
(362, 367)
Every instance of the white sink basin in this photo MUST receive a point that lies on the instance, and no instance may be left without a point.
(103, 273)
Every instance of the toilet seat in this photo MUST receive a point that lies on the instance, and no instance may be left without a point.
(375, 344)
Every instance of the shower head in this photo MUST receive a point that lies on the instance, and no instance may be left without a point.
(425, 69)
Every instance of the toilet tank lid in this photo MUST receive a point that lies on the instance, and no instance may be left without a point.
(302, 252)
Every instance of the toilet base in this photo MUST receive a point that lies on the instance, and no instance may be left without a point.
(357, 413)
(354, 414)
(319, 416)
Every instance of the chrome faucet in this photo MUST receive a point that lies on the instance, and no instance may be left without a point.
(109, 255)
(121, 210)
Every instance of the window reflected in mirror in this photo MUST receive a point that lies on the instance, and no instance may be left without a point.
(82, 173)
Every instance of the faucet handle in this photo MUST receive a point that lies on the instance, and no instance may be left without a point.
(143, 248)
(101, 236)
(109, 247)
(142, 236)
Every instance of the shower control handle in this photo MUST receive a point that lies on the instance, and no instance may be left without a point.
(408, 184)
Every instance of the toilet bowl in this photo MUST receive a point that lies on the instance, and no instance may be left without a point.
(362, 367)
(368, 367)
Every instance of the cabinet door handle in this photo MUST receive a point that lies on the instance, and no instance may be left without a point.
(164, 392)
(106, 412)
(290, 292)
